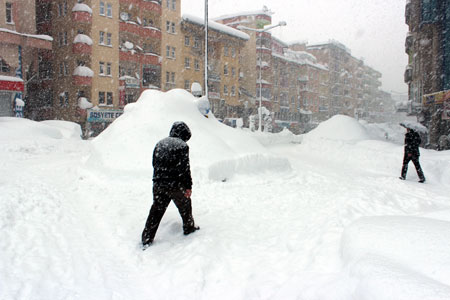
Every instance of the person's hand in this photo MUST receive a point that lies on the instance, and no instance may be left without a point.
(188, 193)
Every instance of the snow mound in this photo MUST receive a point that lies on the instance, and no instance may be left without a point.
(23, 129)
(379, 250)
(69, 130)
(127, 144)
(340, 127)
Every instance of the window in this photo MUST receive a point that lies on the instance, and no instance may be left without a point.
(174, 4)
(9, 13)
(292, 100)
(101, 40)
(173, 28)
(108, 39)
(64, 99)
(65, 38)
(225, 69)
(187, 85)
(233, 71)
(60, 10)
(101, 97)
(172, 77)
(167, 51)
(65, 7)
(109, 98)
(60, 39)
(102, 8)
(4, 67)
(197, 65)
(167, 76)
(173, 52)
(187, 41)
(233, 52)
(187, 62)
(66, 69)
(109, 10)
(108, 69)
(233, 91)
(102, 68)
(196, 42)
(225, 90)
(225, 51)
(61, 69)
(168, 3)
(168, 26)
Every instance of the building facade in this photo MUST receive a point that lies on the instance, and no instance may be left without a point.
(21, 53)
(428, 72)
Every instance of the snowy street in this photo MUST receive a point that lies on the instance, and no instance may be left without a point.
(323, 217)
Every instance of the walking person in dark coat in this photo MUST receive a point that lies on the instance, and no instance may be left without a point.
(171, 181)
(412, 142)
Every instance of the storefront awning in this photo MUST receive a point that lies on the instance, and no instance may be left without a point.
(9, 83)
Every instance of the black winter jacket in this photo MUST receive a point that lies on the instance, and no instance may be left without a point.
(171, 167)
(412, 142)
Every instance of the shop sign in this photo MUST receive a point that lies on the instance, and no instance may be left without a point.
(103, 115)
(131, 83)
(436, 98)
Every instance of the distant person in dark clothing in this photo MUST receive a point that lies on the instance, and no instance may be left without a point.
(412, 142)
(171, 181)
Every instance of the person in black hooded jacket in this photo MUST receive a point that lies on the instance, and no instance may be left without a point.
(412, 142)
(171, 181)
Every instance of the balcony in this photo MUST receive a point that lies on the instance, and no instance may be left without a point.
(408, 74)
(147, 32)
(409, 42)
(147, 5)
(214, 77)
(303, 79)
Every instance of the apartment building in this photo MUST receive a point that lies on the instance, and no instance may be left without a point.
(428, 72)
(256, 56)
(105, 53)
(224, 51)
(21, 53)
(172, 46)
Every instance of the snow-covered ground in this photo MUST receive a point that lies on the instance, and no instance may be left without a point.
(321, 216)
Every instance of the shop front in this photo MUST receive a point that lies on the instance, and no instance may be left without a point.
(11, 89)
(99, 119)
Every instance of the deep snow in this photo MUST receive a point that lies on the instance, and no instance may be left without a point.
(320, 216)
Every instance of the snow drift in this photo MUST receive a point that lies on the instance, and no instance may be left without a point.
(128, 143)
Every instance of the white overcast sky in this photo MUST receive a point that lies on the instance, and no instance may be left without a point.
(372, 29)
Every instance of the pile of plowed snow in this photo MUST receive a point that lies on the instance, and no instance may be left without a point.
(128, 143)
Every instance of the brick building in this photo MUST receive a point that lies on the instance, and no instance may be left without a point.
(21, 52)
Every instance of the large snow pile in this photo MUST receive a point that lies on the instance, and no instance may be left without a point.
(340, 127)
(216, 150)
(18, 128)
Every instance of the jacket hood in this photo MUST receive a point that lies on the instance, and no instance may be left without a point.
(180, 130)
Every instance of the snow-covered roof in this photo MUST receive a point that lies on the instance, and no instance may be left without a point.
(82, 38)
(83, 71)
(280, 41)
(217, 26)
(329, 43)
(36, 36)
(266, 12)
(10, 78)
(301, 61)
(82, 7)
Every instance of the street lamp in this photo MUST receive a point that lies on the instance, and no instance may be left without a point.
(260, 31)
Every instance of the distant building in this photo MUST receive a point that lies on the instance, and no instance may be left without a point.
(22, 53)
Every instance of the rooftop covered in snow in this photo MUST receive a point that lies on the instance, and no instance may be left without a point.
(217, 27)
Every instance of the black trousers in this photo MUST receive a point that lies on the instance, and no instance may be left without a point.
(161, 198)
(415, 160)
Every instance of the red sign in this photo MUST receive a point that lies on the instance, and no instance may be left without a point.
(6, 85)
